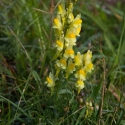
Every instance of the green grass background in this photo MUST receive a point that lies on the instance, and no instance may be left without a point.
(26, 38)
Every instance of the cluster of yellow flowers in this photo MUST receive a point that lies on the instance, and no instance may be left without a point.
(67, 29)
(89, 109)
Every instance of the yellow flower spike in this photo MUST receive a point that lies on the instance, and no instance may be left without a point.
(79, 85)
(61, 63)
(50, 80)
(70, 67)
(81, 74)
(69, 52)
(89, 67)
(78, 59)
(87, 57)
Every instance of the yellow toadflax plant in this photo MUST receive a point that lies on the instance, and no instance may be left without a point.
(67, 28)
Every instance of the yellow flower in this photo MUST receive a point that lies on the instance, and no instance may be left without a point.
(70, 39)
(59, 45)
(81, 74)
(61, 63)
(70, 35)
(50, 80)
(75, 30)
(61, 10)
(78, 31)
(89, 109)
(70, 67)
(69, 52)
(57, 23)
(89, 104)
(70, 18)
(80, 85)
(78, 59)
(77, 21)
(87, 57)
(89, 67)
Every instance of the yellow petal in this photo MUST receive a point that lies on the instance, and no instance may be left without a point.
(49, 80)
(71, 35)
(79, 21)
(56, 21)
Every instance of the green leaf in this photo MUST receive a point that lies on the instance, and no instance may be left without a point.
(121, 117)
(96, 90)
